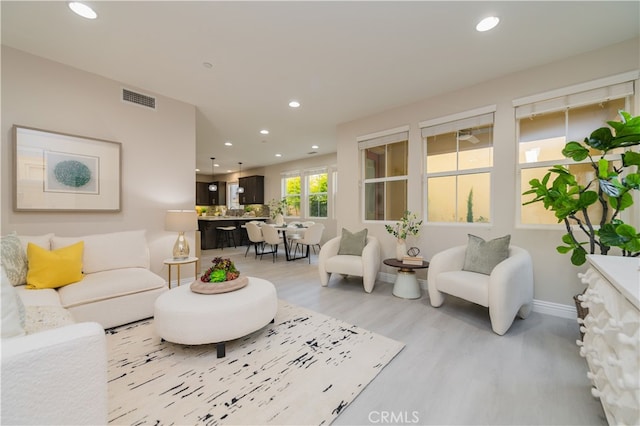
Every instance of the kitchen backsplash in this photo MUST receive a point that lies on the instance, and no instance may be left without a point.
(257, 210)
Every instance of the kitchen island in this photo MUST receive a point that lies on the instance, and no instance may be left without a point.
(207, 226)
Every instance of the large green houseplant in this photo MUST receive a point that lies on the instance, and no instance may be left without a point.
(613, 186)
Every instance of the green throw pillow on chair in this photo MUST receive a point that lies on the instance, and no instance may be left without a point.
(482, 256)
(352, 243)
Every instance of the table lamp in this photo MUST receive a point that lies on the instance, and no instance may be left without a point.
(181, 221)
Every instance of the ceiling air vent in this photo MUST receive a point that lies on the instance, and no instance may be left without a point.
(138, 98)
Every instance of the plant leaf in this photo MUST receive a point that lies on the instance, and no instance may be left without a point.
(587, 198)
(625, 200)
(579, 256)
(632, 181)
(609, 188)
(603, 168)
(631, 158)
(600, 139)
(575, 151)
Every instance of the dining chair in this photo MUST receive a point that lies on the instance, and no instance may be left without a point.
(272, 237)
(311, 238)
(254, 232)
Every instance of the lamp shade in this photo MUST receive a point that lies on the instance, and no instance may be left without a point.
(181, 220)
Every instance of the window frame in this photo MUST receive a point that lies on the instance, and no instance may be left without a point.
(307, 191)
(565, 99)
(284, 194)
(383, 138)
(453, 123)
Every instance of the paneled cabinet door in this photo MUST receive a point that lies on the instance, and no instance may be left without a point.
(253, 190)
(203, 196)
(219, 197)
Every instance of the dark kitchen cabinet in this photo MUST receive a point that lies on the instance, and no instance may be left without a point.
(219, 197)
(204, 197)
(253, 190)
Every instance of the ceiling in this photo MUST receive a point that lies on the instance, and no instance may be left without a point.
(341, 60)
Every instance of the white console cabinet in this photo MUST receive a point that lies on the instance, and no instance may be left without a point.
(611, 343)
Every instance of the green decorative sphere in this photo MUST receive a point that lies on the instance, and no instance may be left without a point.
(72, 173)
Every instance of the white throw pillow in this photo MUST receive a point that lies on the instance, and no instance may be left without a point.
(104, 252)
(43, 241)
(13, 313)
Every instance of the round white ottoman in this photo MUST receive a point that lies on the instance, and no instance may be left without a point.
(182, 316)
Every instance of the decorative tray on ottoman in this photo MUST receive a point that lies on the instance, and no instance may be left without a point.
(221, 287)
(222, 277)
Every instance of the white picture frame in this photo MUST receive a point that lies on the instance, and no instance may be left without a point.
(62, 172)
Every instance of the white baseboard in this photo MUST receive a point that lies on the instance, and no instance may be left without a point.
(540, 306)
(555, 309)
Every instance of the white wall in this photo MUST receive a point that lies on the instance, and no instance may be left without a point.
(555, 277)
(158, 148)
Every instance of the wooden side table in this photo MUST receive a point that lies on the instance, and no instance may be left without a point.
(406, 285)
(171, 262)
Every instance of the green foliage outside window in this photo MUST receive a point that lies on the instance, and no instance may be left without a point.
(318, 195)
(292, 197)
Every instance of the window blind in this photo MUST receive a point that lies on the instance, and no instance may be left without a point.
(600, 94)
(454, 126)
(290, 174)
(383, 138)
(315, 171)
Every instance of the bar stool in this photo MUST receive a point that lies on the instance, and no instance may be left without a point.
(225, 233)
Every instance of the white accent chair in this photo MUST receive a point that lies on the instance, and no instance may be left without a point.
(365, 266)
(507, 291)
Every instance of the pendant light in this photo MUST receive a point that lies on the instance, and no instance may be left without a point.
(212, 186)
(240, 189)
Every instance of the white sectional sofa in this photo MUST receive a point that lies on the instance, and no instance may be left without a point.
(54, 362)
(117, 288)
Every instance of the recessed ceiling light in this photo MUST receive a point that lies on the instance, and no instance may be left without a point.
(228, 143)
(278, 155)
(264, 131)
(487, 23)
(314, 147)
(197, 170)
(82, 10)
(294, 104)
(207, 64)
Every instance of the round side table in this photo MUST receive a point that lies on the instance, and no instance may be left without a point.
(406, 285)
(170, 262)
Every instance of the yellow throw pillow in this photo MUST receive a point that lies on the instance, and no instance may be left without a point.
(55, 268)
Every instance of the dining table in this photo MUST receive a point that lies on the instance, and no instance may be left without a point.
(287, 248)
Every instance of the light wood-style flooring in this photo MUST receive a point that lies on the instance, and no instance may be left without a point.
(453, 369)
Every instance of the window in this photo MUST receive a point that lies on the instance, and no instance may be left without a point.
(459, 161)
(232, 196)
(546, 125)
(291, 192)
(317, 195)
(385, 172)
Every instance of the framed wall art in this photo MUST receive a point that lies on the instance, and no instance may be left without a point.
(61, 172)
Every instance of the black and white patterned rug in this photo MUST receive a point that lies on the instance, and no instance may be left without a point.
(303, 369)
